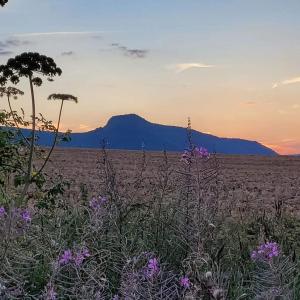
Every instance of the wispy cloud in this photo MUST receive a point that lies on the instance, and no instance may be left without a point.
(4, 52)
(13, 43)
(285, 146)
(6, 46)
(135, 53)
(57, 33)
(68, 53)
(179, 68)
(250, 103)
(84, 127)
(286, 82)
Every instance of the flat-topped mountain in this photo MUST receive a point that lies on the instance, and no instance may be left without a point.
(132, 132)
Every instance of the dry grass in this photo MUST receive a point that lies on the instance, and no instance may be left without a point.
(244, 183)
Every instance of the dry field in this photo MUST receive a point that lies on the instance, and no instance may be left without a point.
(245, 183)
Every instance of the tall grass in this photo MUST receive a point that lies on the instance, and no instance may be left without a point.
(168, 236)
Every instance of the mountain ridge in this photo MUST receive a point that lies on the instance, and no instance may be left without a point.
(132, 132)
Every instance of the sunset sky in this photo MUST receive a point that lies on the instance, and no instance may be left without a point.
(233, 66)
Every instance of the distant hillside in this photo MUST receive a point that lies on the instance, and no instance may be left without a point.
(130, 132)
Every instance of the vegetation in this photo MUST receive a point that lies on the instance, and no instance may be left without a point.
(166, 237)
(3, 2)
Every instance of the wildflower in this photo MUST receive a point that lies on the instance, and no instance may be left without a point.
(2, 211)
(197, 152)
(26, 216)
(80, 256)
(78, 259)
(201, 152)
(66, 257)
(96, 203)
(50, 292)
(266, 251)
(153, 268)
(185, 282)
(85, 252)
(115, 297)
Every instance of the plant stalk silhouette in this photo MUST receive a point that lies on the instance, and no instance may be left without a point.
(31, 66)
(62, 98)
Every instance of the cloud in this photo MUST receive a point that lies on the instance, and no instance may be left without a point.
(84, 127)
(285, 146)
(97, 37)
(68, 53)
(250, 103)
(7, 45)
(283, 112)
(135, 53)
(286, 82)
(187, 66)
(56, 33)
(13, 43)
(4, 52)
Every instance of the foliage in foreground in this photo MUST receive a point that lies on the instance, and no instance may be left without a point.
(128, 243)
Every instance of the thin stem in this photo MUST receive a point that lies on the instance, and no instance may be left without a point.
(16, 123)
(54, 142)
(29, 170)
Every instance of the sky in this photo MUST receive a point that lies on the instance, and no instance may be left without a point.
(232, 66)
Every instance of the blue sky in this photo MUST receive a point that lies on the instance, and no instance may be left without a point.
(232, 66)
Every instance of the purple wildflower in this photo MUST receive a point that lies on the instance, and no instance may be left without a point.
(201, 152)
(85, 252)
(50, 292)
(25, 214)
(152, 268)
(197, 152)
(185, 282)
(115, 297)
(266, 251)
(78, 259)
(97, 202)
(80, 256)
(66, 257)
(94, 203)
(2, 211)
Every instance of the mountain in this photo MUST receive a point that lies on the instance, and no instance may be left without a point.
(131, 132)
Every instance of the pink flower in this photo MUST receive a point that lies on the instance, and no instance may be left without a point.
(196, 152)
(185, 282)
(25, 214)
(266, 251)
(97, 202)
(50, 292)
(80, 256)
(201, 152)
(152, 268)
(2, 211)
(66, 257)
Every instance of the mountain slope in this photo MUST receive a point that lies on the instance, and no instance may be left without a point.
(130, 132)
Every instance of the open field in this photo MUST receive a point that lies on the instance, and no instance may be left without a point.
(244, 182)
